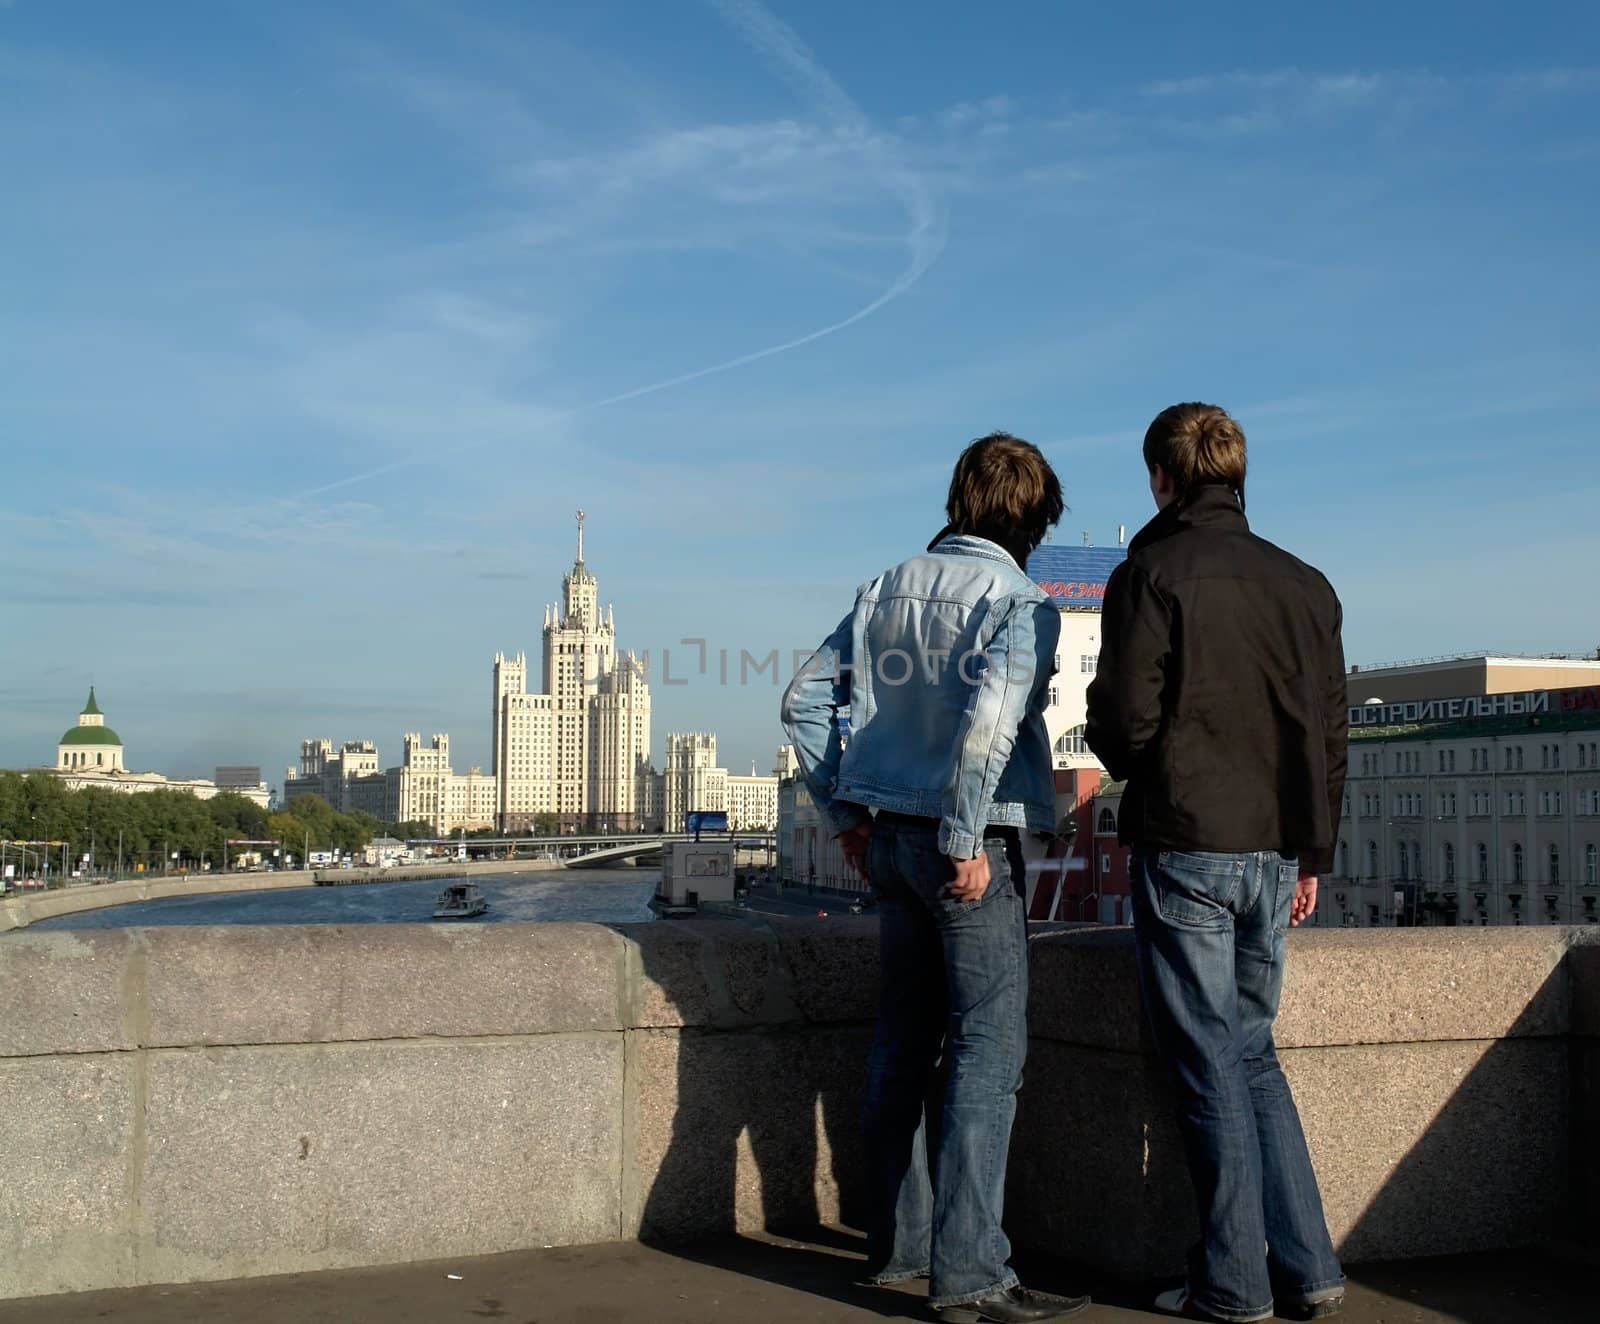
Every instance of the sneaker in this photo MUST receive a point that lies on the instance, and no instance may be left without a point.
(1326, 1308)
(1178, 1302)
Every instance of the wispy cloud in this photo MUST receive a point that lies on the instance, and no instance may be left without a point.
(1351, 88)
(845, 128)
(1332, 86)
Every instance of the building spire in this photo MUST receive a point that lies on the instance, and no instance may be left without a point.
(580, 537)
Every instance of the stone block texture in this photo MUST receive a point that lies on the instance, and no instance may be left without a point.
(268, 1160)
(1097, 1170)
(1437, 1148)
(1380, 986)
(192, 1104)
(327, 983)
(743, 1131)
(69, 992)
(71, 1151)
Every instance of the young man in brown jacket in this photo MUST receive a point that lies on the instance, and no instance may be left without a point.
(1220, 699)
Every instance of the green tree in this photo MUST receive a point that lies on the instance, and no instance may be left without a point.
(154, 825)
(237, 816)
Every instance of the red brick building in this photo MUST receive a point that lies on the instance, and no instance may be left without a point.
(1084, 878)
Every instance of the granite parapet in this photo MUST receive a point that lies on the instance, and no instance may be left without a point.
(206, 1103)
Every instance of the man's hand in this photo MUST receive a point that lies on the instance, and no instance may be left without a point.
(972, 877)
(853, 845)
(1305, 899)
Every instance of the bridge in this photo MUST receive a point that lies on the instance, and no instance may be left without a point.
(591, 851)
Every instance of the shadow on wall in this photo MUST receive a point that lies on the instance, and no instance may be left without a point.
(744, 1089)
(1489, 1159)
(1097, 1171)
(1446, 1081)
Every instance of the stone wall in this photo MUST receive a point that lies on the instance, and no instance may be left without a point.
(1432, 1069)
(196, 1103)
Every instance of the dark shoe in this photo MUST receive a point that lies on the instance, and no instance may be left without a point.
(1015, 1305)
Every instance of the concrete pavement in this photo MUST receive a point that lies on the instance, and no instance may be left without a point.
(771, 1280)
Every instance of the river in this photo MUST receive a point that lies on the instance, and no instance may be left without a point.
(602, 896)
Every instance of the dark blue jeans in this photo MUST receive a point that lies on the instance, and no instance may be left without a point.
(1210, 930)
(954, 1002)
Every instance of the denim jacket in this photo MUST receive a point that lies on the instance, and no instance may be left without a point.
(929, 698)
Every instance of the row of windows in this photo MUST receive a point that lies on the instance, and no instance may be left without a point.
(1512, 759)
(1407, 804)
(1408, 862)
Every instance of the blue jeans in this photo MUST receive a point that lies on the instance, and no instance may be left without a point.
(1210, 931)
(954, 1002)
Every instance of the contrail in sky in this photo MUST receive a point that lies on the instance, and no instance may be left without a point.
(925, 234)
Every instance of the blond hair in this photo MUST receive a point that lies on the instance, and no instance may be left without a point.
(1197, 444)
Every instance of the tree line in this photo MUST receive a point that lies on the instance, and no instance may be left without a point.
(171, 829)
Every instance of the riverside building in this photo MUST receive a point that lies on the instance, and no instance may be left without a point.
(424, 788)
(579, 747)
(91, 754)
(1475, 808)
(1074, 578)
(350, 780)
(691, 779)
(752, 802)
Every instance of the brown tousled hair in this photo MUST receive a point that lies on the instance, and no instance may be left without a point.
(1197, 444)
(1003, 489)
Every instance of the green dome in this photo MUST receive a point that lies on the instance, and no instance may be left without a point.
(91, 735)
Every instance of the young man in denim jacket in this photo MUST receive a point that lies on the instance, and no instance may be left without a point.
(944, 665)
(1220, 699)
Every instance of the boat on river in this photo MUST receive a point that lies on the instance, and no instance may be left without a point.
(460, 901)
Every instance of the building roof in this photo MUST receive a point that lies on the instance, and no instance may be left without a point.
(1486, 728)
(90, 735)
(1074, 577)
(1456, 661)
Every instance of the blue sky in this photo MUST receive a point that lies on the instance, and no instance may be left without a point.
(317, 321)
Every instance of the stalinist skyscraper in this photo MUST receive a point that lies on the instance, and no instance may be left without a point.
(579, 748)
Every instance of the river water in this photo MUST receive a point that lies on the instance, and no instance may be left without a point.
(603, 896)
